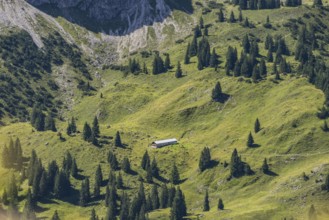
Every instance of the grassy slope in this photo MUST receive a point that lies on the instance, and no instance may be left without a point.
(149, 107)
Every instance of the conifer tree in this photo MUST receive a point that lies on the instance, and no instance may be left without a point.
(216, 92)
(5, 158)
(112, 159)
(43, 185)
(117, 140)
(246, 44)
(98, 181)
(174, 175)
(197, 32)
(50, 123)
(220, 205)
(124, 209)
(62, 184)
(270, 56)
(112, 178)
(193, 47)
(94, 139)
(167, 62)
(213, 59)
(4, 197)
(178, 210)
(231, 18)
(240, 14)
(95, 128)
(126, 165)
(257, 126)
(164, 197)
(178, 73)
(235, 164)
(154, 168)
(145, 161)
(119, 181)
(74, 168)
(55, 216)
(87, 132)
(84, 192)
(262, 68)
(256, 74)
(250, 142)
(149, 177)
(13, 190)
(93, 215)
(155, 197)
(265, 167)
(221, 17)
(205, 159)
(317, 3)
(145, 70)
(187, 55)
(171, 195)
(201, 22)
(206, 206)
(52, 170)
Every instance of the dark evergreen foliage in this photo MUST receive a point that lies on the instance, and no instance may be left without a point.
(126, 165)
(179, 72)
(145, 161)
(117, 140)
(158, 65)
(220, 204)
(164, 196)
(205, 159)
(265, 167)
(174, 175)
(238, 168)
(71, 127)
(257, 126)
(217, 94)
(206, 206)
(112, 159)
(178, 210)
(221, 17)
(98, 181)
(187, 55)
(250, 141)
(50, 123)
(87, 132)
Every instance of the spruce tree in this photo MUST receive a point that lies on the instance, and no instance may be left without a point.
(206, 206)
(50, 123)
(112, 159)
(178, 210)
(74, 169)
(221, 17)
(255, 74)
(55, 216)
(197, 31)
(231, 18)
(93, 215)
(174, 175)
(87, 132)
(220, 205)
(178, 73)
(124, 209)
(145, 161)
(43, 185)
(257, 126)
(5, 158)
(98, 181)
(213, 59)
(240, 18)
(312, 213)
(164, 197)
(250, 141)
(117, 140)
(246, 44)
(201, 23)
(154, 168)
(262, 68)
(119, 181)
(62, 184)
(167, 62)
(149, 176)
(235, 164)
(193, 47)
(155, 197)
(4, 197)
(95, 128)
(13, 190)
(325, 186)
(171, 195)
(265, 167)
(317, 3)
(126, 165)
(205, 159)
(216, 92)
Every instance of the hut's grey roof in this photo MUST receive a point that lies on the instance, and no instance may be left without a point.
(166, 141)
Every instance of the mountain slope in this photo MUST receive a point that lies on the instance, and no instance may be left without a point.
(146, 107)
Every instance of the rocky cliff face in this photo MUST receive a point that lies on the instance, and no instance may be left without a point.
(111, 16)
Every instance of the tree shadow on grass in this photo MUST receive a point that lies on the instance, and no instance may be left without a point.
(47, 200)
(73, 197)
(213, 163)
(271, 173)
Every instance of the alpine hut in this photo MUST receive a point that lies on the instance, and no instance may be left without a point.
(162, 143)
